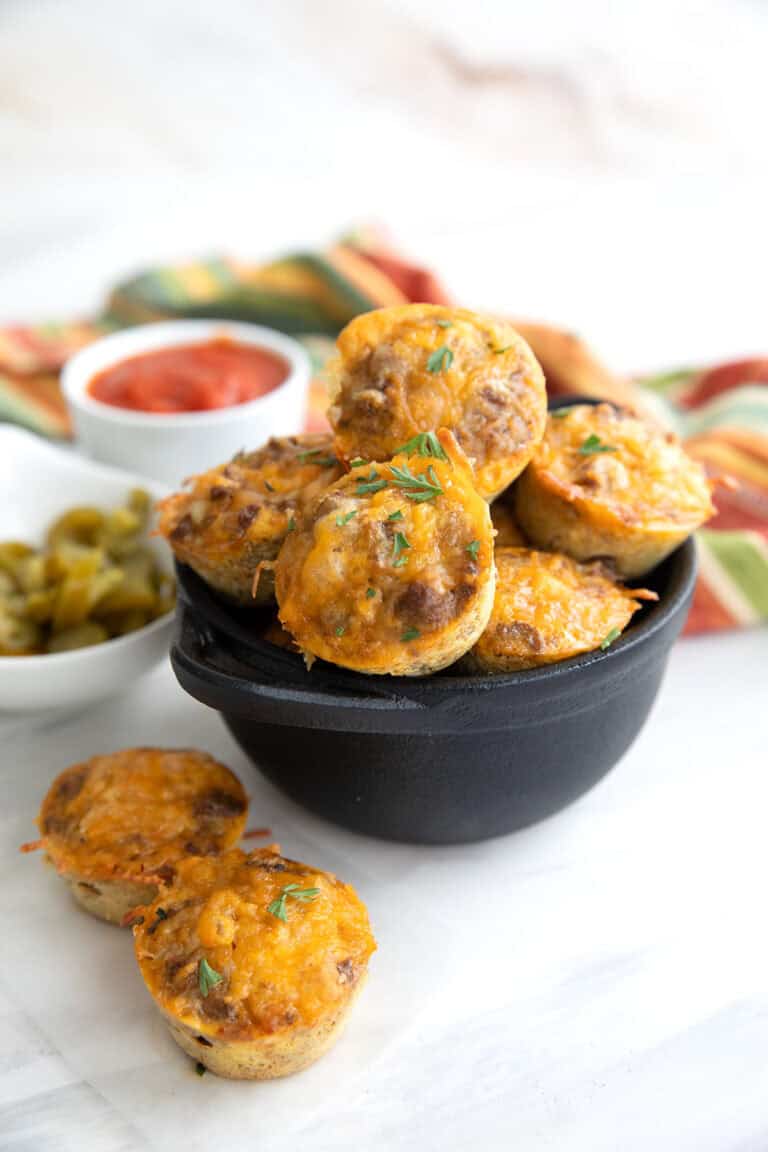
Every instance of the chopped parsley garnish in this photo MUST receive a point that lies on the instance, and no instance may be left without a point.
(340, 630)
(358, 462)
(370, 483)
(161, 913)
(269, 487)
(426, 444)
(612, 635)
(207, 977)
(345, 519)
(417, 488)
(395, 515)
(315, 456)
(444, 323)
(561, 413)
(473, 548)
(370, 593)
(291, 892)
(399, 546)
(498, 351)
(410, 634)
(291, 524)
(200, 1069)
(441, 358)
(594, 444)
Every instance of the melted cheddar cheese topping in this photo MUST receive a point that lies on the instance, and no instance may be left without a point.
(405, 370)
(237, 515)
(387, 577)
(132, 815)
(548, 607)
(279, 962)
(626, 470)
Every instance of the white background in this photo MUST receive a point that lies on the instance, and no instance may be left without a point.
(595, 983)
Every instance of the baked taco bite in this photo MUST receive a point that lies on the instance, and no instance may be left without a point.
(605, 484)
(254, 961)
(547, 608)
(405, 370)
(115, 827)
(235, 517)
(391, 570)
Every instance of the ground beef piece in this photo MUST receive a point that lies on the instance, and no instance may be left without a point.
(426, 608)
(217, 802)
(522, 633)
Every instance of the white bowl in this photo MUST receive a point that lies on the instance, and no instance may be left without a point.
(38, 483)
(171, 446)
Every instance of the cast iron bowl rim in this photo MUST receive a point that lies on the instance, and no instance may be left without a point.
(653, 619)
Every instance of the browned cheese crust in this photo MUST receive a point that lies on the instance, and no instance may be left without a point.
(548, 608)
(235, 517)
(254, 961)
(405, 370)
(604, 484)
(116, 826)
(391, 570)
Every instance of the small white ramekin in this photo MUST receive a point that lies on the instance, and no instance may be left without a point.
(169, 447)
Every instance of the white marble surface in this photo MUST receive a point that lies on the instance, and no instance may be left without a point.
(597, 982)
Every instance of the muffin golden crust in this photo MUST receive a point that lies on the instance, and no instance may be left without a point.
(401, 371)
(391, 570)
(235, 517)
(547, 608)
(604, 484)
(254, 961)
(116, 826)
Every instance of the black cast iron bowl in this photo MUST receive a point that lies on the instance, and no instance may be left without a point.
(436, 760)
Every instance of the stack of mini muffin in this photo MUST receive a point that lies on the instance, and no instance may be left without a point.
(253, 959)
(448, 519)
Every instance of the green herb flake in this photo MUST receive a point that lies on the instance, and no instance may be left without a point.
(370, 593)
(269, 487)
(291, 524)
(291, 892)
(200, 1069)
(410, 634)
(358, 462)
(315, 456)
(426, 444)
(501, 351)
(207, 977)
(561, 413)
(370, 483)
(399, 546)
(612, 635)
(441, 358)
(416, 487)
(444, 323)
(161, 914)
(339, 631)
(594, 444)
(345, 519)
(395, 515)
(473, 548)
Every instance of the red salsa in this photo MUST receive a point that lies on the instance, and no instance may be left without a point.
(190, 377)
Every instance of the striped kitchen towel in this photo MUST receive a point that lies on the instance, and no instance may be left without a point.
(721, 413)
